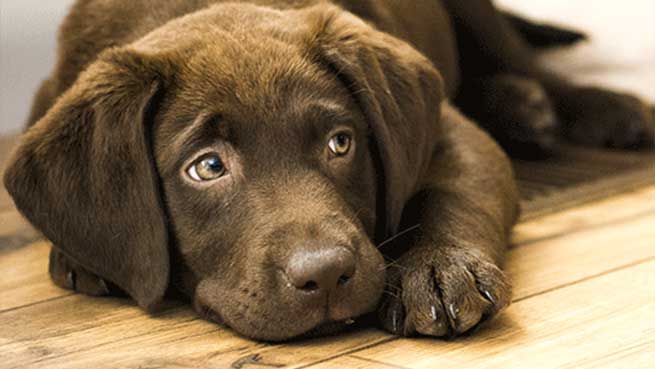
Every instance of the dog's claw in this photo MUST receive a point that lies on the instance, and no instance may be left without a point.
(70, 279)
(103, 285)
(452, 311)
(433, 311)
(395, 322)
(489, 296)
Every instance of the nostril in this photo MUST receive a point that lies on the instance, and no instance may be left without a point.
(310, 286)
(320, 270)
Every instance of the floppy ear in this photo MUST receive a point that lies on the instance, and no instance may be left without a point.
(398, 90)
(84, 176)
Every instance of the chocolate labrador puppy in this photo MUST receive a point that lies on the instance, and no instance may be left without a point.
(259, 156)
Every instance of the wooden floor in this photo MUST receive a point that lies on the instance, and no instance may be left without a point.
(584, 297)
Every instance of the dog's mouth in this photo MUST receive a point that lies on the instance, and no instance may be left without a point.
(327, 327)
(331, 327)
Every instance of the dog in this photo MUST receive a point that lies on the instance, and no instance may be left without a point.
(261, 157)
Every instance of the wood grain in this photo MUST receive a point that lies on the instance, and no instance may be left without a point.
(556, 262)
(108, 331)
(24, 277)
(598, 214)
(603, 321)
(354, 362)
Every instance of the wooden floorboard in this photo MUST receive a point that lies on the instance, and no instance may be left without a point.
(607, 212)
(604, 321)
(552, 257)
(25, 277)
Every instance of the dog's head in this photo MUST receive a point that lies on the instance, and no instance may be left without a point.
(248, 156)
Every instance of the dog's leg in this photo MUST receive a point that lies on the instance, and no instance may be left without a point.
(591, 116)
(449, 279)
(70, 275)
(515, 110)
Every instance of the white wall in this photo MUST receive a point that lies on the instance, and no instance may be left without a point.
(621, 55)
(621, 51)
(27, 48)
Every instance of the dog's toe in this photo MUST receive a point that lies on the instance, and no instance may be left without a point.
(607, 119)
(71, 276)
(518, 113)
(445, 293)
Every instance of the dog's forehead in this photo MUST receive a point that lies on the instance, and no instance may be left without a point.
(258, 71)
(227, 25)
(282, 98)
(252, 74)
(263, 91)
(250, 60)
(256, 81)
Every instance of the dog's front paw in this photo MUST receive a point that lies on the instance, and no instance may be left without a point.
(69, 275)
(597, 117)
(442, 292)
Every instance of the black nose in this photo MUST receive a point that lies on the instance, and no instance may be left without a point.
(320, 271)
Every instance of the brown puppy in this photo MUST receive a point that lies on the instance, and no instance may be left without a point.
(252, 154)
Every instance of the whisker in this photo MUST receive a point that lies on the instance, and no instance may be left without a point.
(398, 235)
(391, 294)
(396, 288)
(392, 264)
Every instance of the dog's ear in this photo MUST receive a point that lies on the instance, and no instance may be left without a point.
(398, 90)
(84, 175)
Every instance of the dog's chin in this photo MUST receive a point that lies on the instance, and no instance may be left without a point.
(323, 328)
(326, 328)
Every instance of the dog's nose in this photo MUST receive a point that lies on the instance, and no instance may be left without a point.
(320, 271)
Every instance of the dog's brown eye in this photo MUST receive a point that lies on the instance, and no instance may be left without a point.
(339, 144)
(206, 168)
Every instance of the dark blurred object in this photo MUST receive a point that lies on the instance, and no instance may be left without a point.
(544, 35)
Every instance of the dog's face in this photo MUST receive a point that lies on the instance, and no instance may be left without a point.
(242, 154)
(271, 190)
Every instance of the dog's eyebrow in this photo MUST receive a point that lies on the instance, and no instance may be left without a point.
(324, 108)
(191, 136)
(193, 131)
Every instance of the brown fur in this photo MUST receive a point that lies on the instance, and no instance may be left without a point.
(144, 88)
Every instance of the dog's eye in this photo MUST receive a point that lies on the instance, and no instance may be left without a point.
(339, 144)
(206, 168)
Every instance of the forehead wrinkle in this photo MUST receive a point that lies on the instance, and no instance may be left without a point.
(298, 88)
(186, 140)
(315, 117)
(325, 108)
(255, 72)
(189, 133)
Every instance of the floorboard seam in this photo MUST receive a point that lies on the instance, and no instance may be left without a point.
(582, 280)
(379, 362)
(557, 235)
(37, 303)
(348, 352)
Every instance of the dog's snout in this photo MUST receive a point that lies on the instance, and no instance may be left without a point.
(320, 271)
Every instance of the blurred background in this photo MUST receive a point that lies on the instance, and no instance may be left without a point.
(621, 53)
(28, 30)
